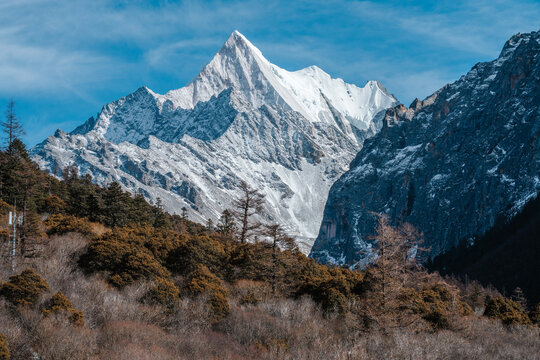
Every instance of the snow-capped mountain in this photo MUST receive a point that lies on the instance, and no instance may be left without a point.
(450, 165)
(288, 134)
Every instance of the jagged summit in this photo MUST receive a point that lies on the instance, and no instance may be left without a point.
(242, 118)
(240, 42)
(256, 82)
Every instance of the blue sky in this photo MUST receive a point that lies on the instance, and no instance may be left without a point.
(61, 61)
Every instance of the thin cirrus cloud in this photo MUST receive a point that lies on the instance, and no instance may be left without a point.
(78, 55)
(473, 27)
(165, 54)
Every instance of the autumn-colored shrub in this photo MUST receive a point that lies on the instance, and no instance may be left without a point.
(127, 254)
(104, 253)
(53, 205)
(506, 310)
(159, 241)
(203, 282)
(141, 264)
(25, 288)
(59, 303)
(535, 314)
(198, 250)
(437, 304)
(330, 287)
(4, 348)
(164, 292)
(250, 261)
(62, 224)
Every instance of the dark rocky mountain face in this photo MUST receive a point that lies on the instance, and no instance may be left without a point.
(450, 165)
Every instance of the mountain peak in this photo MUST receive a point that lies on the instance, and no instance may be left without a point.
(288, 133)
(241, 46)
(237, 34)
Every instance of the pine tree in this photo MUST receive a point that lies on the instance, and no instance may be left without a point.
(12, 166)
(70, 174)
(116, 205)
(209, 225)
(184, 213)
(278, 239)
(246, 205)
(226, 224)
(160, 220)
(95, 207)
(18, 149)
(11, 126)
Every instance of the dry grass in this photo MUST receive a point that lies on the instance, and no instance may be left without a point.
(120, 325)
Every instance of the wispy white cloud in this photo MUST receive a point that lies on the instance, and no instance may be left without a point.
(51, 43)
(469, 26)
(161, 55)
(91, 51)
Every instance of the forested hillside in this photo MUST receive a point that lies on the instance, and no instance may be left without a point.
(506, 256)
(101, 274)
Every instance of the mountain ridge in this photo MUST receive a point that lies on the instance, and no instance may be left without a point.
(288, 134)
(450, 165)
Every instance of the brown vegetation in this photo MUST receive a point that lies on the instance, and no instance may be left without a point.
(63, 224)
(507, 310)
(24, 289)
(120, 279)
(123, 324)
(4, 348)
(59, 304)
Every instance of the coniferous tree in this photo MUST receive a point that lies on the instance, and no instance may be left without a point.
(209, 225)
(246, 205)
(95, 207)
(70, 174)
(11, 125)
(115, 201)
(10, 167)
(78, 196)
(278, 239)
(184, 214)
(160, 220)
(226, 224)
(18, 149)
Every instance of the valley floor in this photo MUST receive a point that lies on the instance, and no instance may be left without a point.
(121, 326)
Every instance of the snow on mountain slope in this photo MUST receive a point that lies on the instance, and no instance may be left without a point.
(288, 134)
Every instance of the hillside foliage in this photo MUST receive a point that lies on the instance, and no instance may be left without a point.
(112, 276)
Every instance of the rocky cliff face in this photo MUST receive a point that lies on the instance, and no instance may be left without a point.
(450, 165)
(288, 134)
